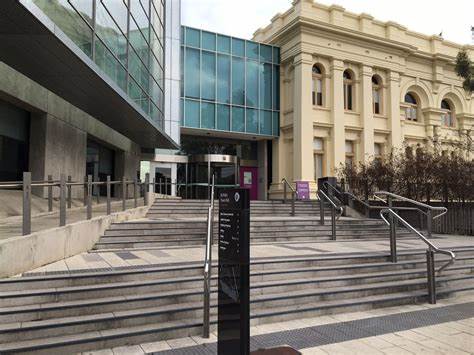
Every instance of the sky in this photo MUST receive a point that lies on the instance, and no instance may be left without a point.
(240, 18)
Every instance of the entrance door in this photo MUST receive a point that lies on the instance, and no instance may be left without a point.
(249, 180)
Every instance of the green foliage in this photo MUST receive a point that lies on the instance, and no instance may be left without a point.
(465, 69)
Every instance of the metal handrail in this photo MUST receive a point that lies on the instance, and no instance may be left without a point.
(331, 202)
(208, 264)
(322, 195)
(432, 249)
(284, 181)
(293, 194)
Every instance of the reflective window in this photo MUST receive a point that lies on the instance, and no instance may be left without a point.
(223, 44)
(252, 83)
(377, 94)
(317, 91)
(208, 41)
(447, 117)
(252, 50)
(110, 33)
(223, 78)
(266, 86)
(193, 37)
(208, 79)
(238, 47)
(276, 123)
(223, 117)
(348, 91)
(266, 122)
(192, 75)
(411, 110)
(208, 115)
(252, 121)
(238, 119)
(266, 53)
(238, 81)
(191, 113)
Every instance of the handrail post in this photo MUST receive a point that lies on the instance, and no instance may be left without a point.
(69, 192)
(146, 189)
(429, 223)
(89, 197)
(26, 228)
(293, 203)
(333, 223)
(124, 194)
(135, 201)
(284, 193)
(50, 193)
(321, 210)
(108, 188)
(161, 191)
(393, 233)
(430, 264)
(97, 192)
(62, 200)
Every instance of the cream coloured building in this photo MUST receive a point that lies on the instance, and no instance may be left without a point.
(353, 87)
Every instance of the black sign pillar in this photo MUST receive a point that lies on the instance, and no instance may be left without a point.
(234, 278)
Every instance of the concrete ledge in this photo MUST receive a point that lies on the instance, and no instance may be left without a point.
(21, 254)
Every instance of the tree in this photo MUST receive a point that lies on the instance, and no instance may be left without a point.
(465, 69)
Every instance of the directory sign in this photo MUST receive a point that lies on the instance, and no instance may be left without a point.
(234, 277)
(302, 188)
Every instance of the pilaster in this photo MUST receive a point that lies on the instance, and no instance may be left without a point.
(367, 114)
(396, 136)
(337, 114)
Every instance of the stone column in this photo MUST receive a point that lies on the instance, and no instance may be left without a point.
(337, 111)
(393, 110)
(367, 113)
(303, 165)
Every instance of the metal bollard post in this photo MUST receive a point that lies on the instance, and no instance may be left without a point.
(97, 193)
(69, 192)
(429, 223)
(154, 185)
(333, 223)
(26, 228)
(124, 194)
(393, 234)
(108, 187)
(89, 196)
(430, 264)
(146, 189)
(62, 200)
(50, 193)
(135, 201)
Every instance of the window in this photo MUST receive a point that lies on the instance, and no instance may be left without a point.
(317, 92)
(377, 95)
(349, 153)
(348, 91)
(318, 146)
(447, 117)
(411, 111)
(378, 150)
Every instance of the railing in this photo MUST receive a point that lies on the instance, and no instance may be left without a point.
(334, 207)
(432, 249)
(208, 264)
(293, 194)
(65, 194)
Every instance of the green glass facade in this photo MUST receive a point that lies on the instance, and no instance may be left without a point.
(229, 84)
(125, 38)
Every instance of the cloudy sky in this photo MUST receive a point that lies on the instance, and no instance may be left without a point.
(241, 18)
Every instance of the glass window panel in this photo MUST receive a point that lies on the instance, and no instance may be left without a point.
(252, 121)
(138, 70)
(318, 144)
(276, 124)
(192, 74)
(146, 6)
(238, 47)
(223, 44)
(182, 35)
(182, 72)
(223, 117)
(110, 65)
(138, 95)
(276, 87)
(252, 50)
(318, 166)
(117, 10)
(70, 22)
(139, 20)
(208, 41)
(208, 78)
(276, 55)
(266, 122)
(156, 47)
(238, 119)
(155, 113)
(109, 32)
(138, 43)
(191, 113)
(266, 53)
(193, 37)
(182, 112)
(252, 83)
(84, 7)
(266, 86)
(208, 115)
(223, 78)
(156, 93)
(238, 85)
(156, 70)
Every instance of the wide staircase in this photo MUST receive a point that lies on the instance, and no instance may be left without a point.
(73, 311)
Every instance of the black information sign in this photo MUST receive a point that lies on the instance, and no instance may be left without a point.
(234, 280)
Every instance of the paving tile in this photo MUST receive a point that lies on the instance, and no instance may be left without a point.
(155, 346)
(99, 352)
(128, 350)
(443, 347)
(181, 343)
(377, 343)
(396, 351)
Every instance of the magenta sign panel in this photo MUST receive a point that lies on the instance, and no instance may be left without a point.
(302, 187)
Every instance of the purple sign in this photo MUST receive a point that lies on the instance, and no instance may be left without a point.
(302, 187)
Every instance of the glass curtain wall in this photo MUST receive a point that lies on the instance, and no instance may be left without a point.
(229, 84)
(125, 38)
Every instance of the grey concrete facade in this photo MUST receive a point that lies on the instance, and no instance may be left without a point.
(59, 131)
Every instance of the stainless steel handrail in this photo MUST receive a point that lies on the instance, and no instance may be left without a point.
(323, 196)
(331, 202)
(293, 194)
(432, 249)
(208, 264)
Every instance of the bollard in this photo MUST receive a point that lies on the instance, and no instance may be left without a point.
(135, 201)
(85, 191)
(146, 189)
(50, 193)
(108, 195)
(333, 223)
(62, 200)
(160, 187)
(26, 228)
(293, 203)
(124, 194)
(69, 192)
(89, 196)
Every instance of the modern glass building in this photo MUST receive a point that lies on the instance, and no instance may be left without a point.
(229, 84)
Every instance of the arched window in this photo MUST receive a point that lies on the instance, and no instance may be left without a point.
(447, 117)
(317, 93)
(377, 95)
(348, 87)
(411, 103)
